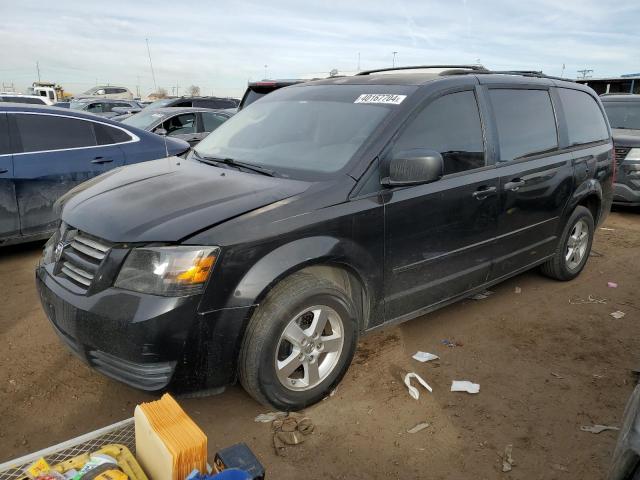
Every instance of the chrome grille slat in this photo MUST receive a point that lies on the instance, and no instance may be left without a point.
(69, 272)
(82, 257)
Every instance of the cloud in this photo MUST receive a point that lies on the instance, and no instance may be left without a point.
(220, 45)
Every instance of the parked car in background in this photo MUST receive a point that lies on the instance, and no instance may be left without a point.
(108, 91)
(30, 99)
(46, 151)
(216, 103)
(188, 124)
(257, 90)
(106, 107)
(624, 117)
(323, 211)
(626, 456)
(62, 104)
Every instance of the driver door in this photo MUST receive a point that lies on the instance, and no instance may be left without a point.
(439, 236)
(183, 126)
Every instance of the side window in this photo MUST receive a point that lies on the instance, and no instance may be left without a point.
(106, 135)
(186, 103)
(96, 107)
(181, 124)
(211, 121)
(49, 132)
(585, 122)
(4, 135)
(525, 122)
(450, 125)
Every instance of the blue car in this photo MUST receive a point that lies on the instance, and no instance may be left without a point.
(46, 151)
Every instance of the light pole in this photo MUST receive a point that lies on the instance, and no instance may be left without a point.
(265, 71)
(394, 59)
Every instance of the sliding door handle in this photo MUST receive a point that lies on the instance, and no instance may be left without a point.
(101, 160)
(484, 192)
(514, 184)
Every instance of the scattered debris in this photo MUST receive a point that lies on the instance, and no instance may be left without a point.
(556, 375)
(590, 299)
(617, 314)
(596, 375)
(612, 285)
(559, 467)
(607, 229)
(597, 428)
(595, 254)
(452, 343)
(419, 427)
(424, 356)
(482, 296)
(507, 459)
(517, 290)
(269, 417)
(413, 391)
(291, 430)
(464, 386)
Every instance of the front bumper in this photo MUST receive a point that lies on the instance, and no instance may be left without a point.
(624, 194)
(146, 341)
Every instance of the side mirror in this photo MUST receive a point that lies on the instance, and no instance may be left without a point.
(414, 167)
(160, 131)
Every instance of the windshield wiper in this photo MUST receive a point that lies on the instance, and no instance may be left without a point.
(235, 163)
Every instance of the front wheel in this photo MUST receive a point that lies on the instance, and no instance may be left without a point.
(299, 343)
(573, 248)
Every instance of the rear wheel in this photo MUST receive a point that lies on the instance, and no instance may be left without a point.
(299, 343)
(573, 248)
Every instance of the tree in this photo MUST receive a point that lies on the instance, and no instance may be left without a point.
(161, 93)
(194, 90)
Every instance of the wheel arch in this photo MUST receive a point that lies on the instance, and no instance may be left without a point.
(589, 195)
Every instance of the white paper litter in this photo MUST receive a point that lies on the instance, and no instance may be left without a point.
(597, 428)
(269, 417)
(418, 427)
(517, 290)
(617, 314)
(424, 356)
(413, 391)
(464, 386)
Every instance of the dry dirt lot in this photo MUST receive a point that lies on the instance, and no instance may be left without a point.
(546, 366)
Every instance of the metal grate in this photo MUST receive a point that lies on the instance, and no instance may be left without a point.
(81, 257)
(122, 433)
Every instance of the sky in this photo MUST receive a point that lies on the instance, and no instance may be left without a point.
(220, 45)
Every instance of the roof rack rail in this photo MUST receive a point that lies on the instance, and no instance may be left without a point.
(523, 73)
(474, 68)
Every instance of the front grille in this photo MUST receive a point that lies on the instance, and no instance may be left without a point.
(81, 257)
(621, 153)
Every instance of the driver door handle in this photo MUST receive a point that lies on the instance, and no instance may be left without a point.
(3, 170)
(101, 160)
(514, 184)
(484, 192)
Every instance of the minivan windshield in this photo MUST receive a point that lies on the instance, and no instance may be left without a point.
(623, 114)
(303, 131)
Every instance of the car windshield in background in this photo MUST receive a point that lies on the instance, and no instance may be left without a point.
(77, 105)
(161, 103)
(623, 114)
(144, 119)
(311, 129)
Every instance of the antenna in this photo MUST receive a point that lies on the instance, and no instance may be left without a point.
(155, 86)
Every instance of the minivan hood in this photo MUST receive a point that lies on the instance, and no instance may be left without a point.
(169, 199)
(626, 137)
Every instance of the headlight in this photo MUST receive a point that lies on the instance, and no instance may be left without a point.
(49, 248)
(168, 271)
(634, 154)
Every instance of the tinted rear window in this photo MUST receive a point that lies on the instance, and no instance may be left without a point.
(106, 135)
(19, 99)
(49, 132)
(585, 122)
(525, 122)
(4, 135)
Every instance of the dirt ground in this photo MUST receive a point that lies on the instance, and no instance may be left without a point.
(546, 363)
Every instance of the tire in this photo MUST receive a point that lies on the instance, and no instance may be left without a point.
(268, 352)
(559, 266)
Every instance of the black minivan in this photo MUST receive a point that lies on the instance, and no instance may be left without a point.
(325, 210)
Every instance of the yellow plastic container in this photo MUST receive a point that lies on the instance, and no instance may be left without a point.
(126, 461)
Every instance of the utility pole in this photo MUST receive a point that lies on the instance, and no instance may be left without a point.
(358, 61)
(38, 69)
(177, 89)
(585, 73)
(394, 59)
(138, 86)
(265, 70)
(153, 75)
(562, 74)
